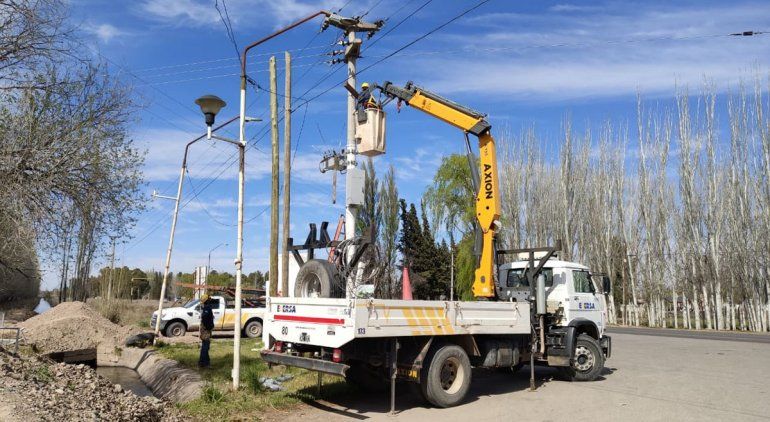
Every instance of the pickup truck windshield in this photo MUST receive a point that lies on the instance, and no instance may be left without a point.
(191, 304)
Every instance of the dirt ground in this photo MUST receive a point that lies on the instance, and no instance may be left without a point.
(647, 379)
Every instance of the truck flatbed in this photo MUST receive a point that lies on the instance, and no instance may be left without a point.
(335, 322)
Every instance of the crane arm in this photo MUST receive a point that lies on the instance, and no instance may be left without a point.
(488, 193)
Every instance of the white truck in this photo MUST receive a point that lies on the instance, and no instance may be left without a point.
(539, 310)
(177, 321)
(435, 343)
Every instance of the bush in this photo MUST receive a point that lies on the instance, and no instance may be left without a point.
(212, 394)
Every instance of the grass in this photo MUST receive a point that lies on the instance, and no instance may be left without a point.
(220, 402)
(126, 312)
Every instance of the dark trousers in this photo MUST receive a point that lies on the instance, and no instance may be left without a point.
(204, 358)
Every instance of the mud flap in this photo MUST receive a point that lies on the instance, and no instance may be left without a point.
(560, 346)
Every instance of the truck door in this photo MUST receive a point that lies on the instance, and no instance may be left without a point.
(583, 302)
(218, 307)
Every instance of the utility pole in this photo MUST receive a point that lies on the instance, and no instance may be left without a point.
(274, 184)
(286, 176)
(112, 271)
(352, 175)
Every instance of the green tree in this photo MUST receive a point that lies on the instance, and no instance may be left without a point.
(451, 201)
(388, 207)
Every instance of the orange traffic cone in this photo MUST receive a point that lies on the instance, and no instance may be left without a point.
(406, 285)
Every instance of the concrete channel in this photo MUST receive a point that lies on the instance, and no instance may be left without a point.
(161, 377)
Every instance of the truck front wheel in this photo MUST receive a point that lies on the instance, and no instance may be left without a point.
(588, 361)
(447, 377)
(175, 329)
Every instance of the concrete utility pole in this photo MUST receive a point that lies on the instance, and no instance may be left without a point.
(274, 184)
(112, 271)
(352, 175)
(286, 177)
(351, 210)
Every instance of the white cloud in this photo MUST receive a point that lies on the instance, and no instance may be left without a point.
(566, 7)
(201, 13)
(105, 31)
(179, 12)
(613, 52)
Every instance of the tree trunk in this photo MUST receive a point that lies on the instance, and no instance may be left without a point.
(696, 307)
(706, 306)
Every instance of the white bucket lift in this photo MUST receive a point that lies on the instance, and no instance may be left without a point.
(370, 135)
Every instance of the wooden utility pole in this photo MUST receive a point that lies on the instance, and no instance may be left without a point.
(286, 178)
(274, 190)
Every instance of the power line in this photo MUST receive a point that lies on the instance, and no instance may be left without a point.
(228, 27)
(214, 76)
(152, 69)
(405, 46)
(393, 28)
(227, 66)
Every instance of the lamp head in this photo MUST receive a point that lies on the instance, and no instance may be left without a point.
(210, 106)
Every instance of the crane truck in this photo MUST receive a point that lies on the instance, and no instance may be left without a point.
(530, 309)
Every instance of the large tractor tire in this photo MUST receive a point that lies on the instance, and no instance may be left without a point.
(447, 377)
(588, 362)
(318, 278)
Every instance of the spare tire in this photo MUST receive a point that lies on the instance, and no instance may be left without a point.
(318, 278)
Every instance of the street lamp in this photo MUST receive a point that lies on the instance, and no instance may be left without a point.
(176, 200)
(208, 263)
(210, 106)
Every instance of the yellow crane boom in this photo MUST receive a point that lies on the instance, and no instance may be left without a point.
(488, 192)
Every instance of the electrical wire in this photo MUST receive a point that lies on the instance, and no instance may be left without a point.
(152, 69)
(405, 46)
(307, 101)
(228, 27)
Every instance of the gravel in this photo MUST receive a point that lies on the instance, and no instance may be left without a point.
(39, 389)
(73, 326)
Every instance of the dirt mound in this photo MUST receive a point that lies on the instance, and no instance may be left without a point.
(73, 326)
(38, 389)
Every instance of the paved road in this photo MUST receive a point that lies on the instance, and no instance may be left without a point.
(701, 334)
(648, 378)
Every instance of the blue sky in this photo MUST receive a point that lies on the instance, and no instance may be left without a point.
(523, 63)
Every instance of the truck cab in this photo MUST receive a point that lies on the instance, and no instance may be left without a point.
(571, 291)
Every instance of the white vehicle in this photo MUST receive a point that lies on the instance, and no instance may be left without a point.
(178, 320)
(538, 311)
(435, 343)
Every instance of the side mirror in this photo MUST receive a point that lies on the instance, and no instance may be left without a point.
(606, 285)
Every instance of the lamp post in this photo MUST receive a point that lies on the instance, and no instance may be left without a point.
(176, 200)
(210, 106)
(208, 263)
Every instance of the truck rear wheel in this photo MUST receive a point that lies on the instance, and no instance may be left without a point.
(446, 379)
(588, 361)
(317, 278)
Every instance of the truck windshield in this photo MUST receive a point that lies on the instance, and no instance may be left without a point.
(191, 304)
(517, 278)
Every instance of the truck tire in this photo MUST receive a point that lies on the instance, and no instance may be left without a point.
(588, 362)
(253, 329)
(175, 329)
(318, 278)
(446, 378)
